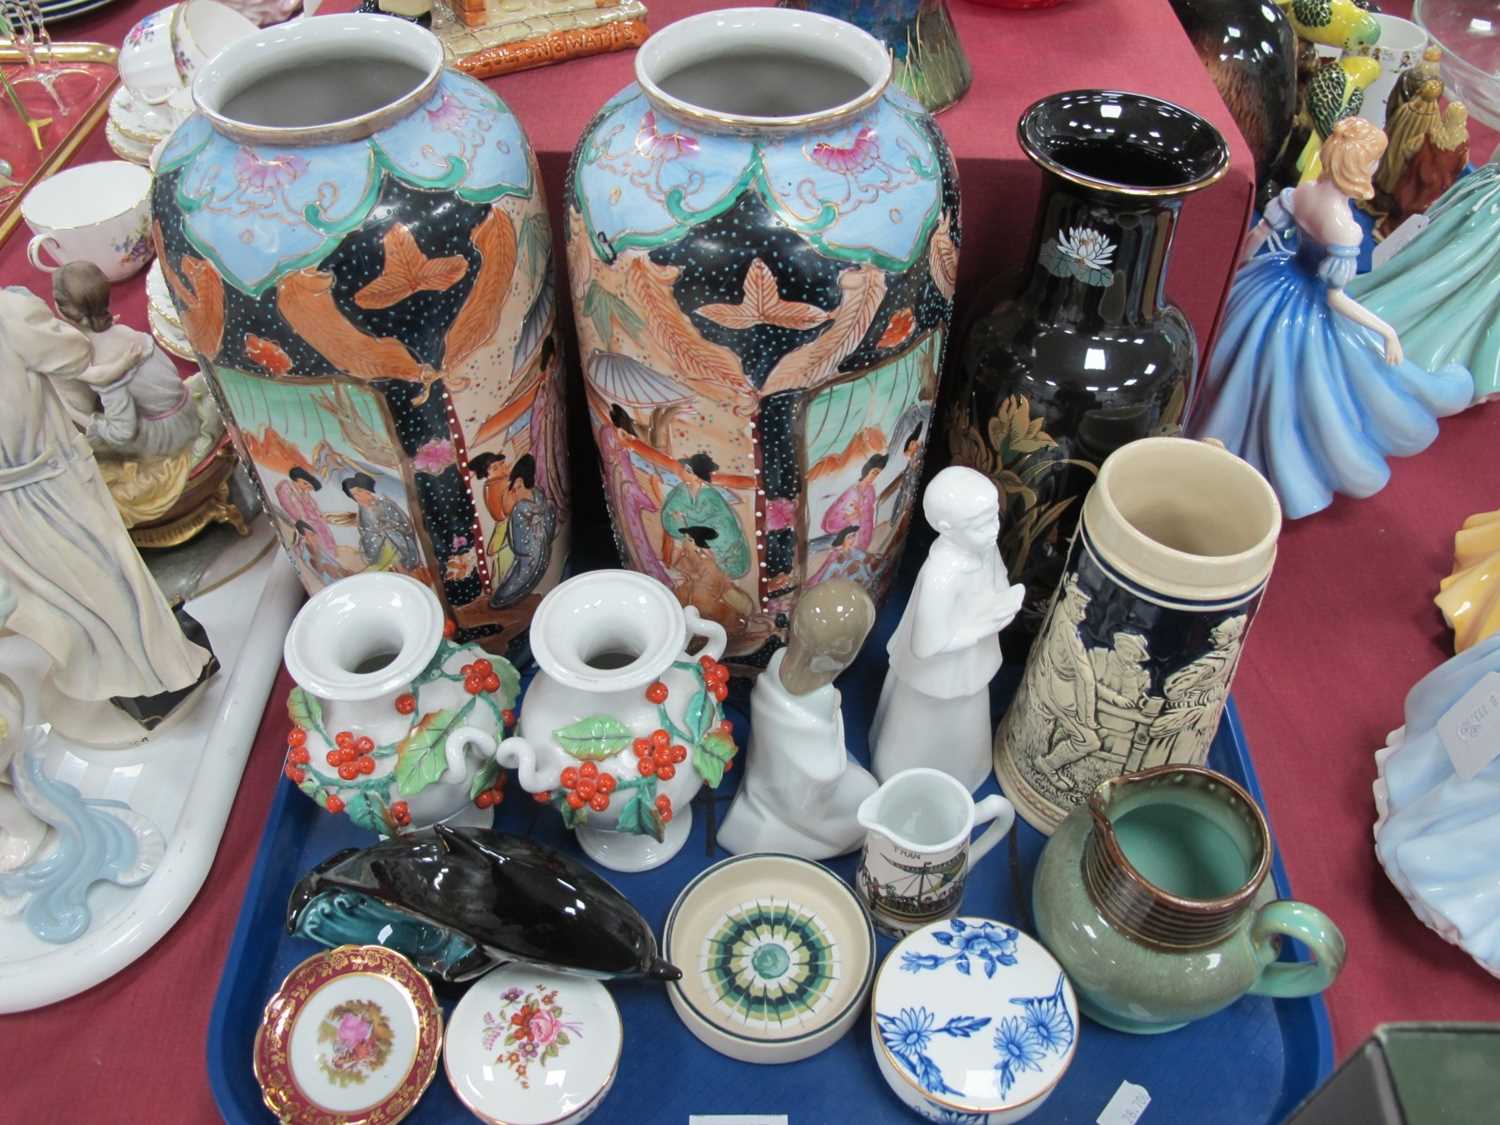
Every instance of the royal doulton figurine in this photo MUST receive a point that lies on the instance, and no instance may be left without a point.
(802, 789)
(934, 707)
(1437, 160)
(1305, 383)
(1441, 292)
(120, 660)
(146, 426)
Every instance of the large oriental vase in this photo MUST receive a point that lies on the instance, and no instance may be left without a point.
(357, 242)
(762, 248)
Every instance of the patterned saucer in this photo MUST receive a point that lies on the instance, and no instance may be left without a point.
(973, 1020)
(531, 1047)
(352, 1036)
(777, 956)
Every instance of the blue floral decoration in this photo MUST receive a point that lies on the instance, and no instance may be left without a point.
(992, 945)
(908, 1033)
(1048, 1018)
(1019, 1048)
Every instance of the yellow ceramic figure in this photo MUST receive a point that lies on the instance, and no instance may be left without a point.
(1469, 597)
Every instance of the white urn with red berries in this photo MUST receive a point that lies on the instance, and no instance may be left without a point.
(380, 687)
(622, 723)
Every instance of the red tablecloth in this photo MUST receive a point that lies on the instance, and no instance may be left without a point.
(1347, 626)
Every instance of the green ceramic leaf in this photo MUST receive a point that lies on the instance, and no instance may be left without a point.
(536, 242)
(421, 757)
(677, 733)
(699, 717)
(510, 682)
(594, 737)
(367, 811)
(305, 710)
(484, 778)
(571, 817)
(711, 756)
(639, 815)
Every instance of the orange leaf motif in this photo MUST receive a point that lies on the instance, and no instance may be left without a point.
(305, 299)
(494, 237)
(267, 354)
(407, 271)
(763, 304)
(693, 358)
(861, 292)
(898, 330)
(942, 259)
(199, 295)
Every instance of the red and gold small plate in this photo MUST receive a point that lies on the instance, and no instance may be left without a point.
(352, 1037)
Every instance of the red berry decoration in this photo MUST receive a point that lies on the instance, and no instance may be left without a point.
(586, 789)
(599, 802)
(663, 803)
(720, 690)
(726, 727)
(334, 757)
(297, 737)
(400, 813)
(299, 755)
(334, 803)
(295, 774)
(473, 685)
(575, 801)
(406, 703)
(647, 767)
(706, 662)
(656, 692)
(450, 627)
(641, 747)
(366, 765)
(348, 771)
(542, 796)
(661, 738)
(492, 682)
(485, 798)
(343, 740)
(508, 717)
(588, 769)
(364, 744)
(679, 754)
(607, 783)
(666, 817)
(570, 777)
(666, 771)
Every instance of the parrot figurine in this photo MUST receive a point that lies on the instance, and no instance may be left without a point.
(1334, 23)
(1337, 91)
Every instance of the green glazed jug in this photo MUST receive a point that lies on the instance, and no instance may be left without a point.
(1150, 898)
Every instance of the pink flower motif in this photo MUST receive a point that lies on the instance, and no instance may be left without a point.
(353, 1031)
(781, 514)
(651, 143)
(262, 174)
(543, 1027)
(847, 160)
(434, 457)
(511, 995)
(449, 115)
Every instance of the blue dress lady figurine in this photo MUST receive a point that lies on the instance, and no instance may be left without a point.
(1305, 383)
(1442, 290)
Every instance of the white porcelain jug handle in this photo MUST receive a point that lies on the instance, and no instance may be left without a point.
(997, 808)
(34, 250)
(714, 638)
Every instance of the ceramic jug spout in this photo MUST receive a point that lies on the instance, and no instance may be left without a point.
(868, 813)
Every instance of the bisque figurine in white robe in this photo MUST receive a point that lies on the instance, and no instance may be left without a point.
(21, 830)
(934, 707)
(802, 790)
(83, 594)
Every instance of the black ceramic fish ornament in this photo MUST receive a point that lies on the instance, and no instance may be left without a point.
(460, 901)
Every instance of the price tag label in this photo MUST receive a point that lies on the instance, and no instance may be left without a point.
(1126, 1107)
(1386, 249)
(1470, 729)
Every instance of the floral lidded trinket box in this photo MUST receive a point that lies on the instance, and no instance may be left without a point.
(530, 1047)
(972, 1020)
(352, 1035)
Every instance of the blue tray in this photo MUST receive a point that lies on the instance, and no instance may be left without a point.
(1253, 1062)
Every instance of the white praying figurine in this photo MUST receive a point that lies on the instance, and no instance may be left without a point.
(802, 790)
(21, 831)
(934, 706)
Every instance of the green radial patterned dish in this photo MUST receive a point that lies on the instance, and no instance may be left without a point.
(782, 953)
(771, 961)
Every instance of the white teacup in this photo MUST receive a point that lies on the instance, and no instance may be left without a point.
(1400, 46)
(164, 50)
(99, 213)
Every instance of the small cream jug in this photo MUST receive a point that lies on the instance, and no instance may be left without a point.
(918, 851)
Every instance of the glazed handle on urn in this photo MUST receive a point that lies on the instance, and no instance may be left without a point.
(1313, 929)
(513, 753)
(714, 637)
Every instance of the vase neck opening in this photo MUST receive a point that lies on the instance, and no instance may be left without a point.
(323, 80)
(762, 70)
(1176, 856)
(364, 638)
(608, 631)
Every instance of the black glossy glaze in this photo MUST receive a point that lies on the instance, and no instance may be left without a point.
(1079, 364)
(515, 899)
(1250, 51)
